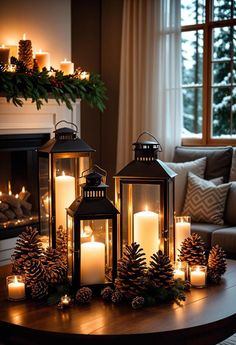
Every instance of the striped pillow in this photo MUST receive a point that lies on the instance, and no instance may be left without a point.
(205, 202)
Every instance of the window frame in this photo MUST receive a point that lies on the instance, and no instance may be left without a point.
(207, 28)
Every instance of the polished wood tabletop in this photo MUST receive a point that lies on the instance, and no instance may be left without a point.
(206, 317)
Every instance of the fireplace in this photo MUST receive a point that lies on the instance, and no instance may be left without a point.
(19, 182)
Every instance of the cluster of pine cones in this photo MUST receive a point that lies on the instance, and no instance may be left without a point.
(42, 268)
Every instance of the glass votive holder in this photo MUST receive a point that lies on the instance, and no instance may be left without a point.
(198, 275)
(65, 301)
(15, 287)
(180, 270)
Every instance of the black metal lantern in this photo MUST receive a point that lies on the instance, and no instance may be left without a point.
(92, 235)
(61, 162)
(145, 199)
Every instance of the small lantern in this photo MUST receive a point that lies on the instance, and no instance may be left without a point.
(92, 235)
(61, 162)
(145, 199)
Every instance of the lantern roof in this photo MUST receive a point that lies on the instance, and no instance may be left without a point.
(65, 140)
(146, 169)
(92, 207)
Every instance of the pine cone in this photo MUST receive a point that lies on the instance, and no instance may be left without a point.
(28, 247)
(61, 243)
(84, 295)
(116, 296)
(25, 53)
(34, 272)
(130, 279)
(39, 290)
(137, 302)
(216, 266)
(106, 293)
(55, 268)
(193, 250)
(160, 272)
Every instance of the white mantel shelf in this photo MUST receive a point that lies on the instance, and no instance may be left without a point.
(27, 119)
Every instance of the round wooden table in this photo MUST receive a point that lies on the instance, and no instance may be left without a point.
(206, 317)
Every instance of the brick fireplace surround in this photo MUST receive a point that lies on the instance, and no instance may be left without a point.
(29, 120)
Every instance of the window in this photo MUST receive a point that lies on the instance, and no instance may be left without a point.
(209, 71)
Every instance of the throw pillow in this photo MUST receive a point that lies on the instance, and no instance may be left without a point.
(205, 202)
(197, 167)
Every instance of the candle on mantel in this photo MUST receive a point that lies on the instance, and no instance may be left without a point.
(198, 276)
(16, 288)
(84, 75)
(146, 231)
(92, 262)
(43, 59)
(182, 231)
(4, 54)
(67, 67)
(9, 188)
(65, 195)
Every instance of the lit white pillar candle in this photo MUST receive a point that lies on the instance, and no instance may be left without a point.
(67, 67)
(146, 232)
(4, 54)
(16, 288)
(92, 265)
(65, 195)
(43, 59)
(198, 276)
(179, 274)
(182, 231)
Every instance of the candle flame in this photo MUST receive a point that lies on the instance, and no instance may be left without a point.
(0, 193)
(65, 60)
(23, 189)
(17, 196)
(146, 208)
(2, 46)
(15, 279)
(24, 37)
(92, 238)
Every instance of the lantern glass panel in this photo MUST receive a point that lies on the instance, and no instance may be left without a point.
(68, 169)
(141, 210)
(96, 251)
(44, 197)
(70, 244)
(171, 230)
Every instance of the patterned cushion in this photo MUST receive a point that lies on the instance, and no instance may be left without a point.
(205, 202)
(197, 167)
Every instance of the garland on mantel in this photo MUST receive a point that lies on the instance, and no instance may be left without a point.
(39, 86)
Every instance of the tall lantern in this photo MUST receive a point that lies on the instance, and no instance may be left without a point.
(61, 163)
(92, 235)
(145, 199)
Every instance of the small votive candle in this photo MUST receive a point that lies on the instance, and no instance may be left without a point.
(65, 301)
(198, 274)
(84, 75)
(180, 270)
(15, 287)
(67, 67)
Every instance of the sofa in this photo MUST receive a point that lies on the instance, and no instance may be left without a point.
(205, 189)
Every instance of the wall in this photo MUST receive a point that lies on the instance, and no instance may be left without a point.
(46, 23)
(96, 44)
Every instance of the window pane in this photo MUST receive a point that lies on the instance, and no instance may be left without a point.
(222, 110)
(192, 12)
(221, 73)
(192, 57)
(223, 10)
(192, 108)
(222, 43)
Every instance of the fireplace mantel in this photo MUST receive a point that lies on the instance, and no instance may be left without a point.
(28, 120)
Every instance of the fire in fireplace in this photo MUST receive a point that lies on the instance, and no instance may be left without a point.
(19, 182)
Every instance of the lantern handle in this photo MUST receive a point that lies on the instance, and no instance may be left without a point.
(148, 133)
(69, 123)
(92, 168)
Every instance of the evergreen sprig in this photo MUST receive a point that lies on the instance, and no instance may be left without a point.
(38, 86)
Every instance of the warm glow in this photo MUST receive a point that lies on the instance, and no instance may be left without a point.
(146, 208)
(2, 46)
(92, 238)
(24, 37)
(63, 173)
(23, 189)
(15, 280)
(0, 193)
(17, 196)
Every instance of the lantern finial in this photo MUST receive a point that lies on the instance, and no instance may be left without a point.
(146, 150)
